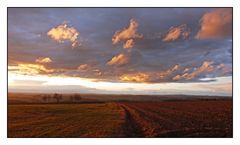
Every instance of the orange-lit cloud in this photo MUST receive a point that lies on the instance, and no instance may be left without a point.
(83, 67)
(44, 60)
(136, 77)
(97, 72)
(129, 44)
(206, 67)
(119, 59)
(175, 33)
(165, 74)
(216, 24)
(127, 34)
(63, 32)
(30, 69)
(162, 76)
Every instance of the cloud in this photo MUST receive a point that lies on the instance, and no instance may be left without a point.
(30, 69)
(119, 59)
(150, 76)
(179, 73)
(127, 34)
(165, 75)
(83, 67)
(63, 32)
(216, 24)
(43, 60)
(136, 77)
(150, 56)
(178, 32)
(206, 67)
(129, 44)
(225, 69)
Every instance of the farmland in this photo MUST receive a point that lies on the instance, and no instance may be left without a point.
(60, 120)
(181, 119)
(173, 118)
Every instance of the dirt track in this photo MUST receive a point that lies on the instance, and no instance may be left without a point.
(131, 127)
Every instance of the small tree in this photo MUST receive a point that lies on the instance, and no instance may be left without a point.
(48, 98)
(71, 98)
(58, 97)
(77, 97)
(45, 99)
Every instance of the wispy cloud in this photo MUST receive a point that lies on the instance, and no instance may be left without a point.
(30, 69)
(147, 77)
(44, 60)
(175, 33)
(206, 67)
(119, 59)
(83, 67)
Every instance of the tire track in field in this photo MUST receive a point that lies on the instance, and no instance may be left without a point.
(147, 122)
(131, 127)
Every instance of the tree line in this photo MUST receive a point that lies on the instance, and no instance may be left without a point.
(59, 98)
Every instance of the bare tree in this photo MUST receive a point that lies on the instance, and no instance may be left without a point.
(45, 99)
(58, 97)
(48, 98)
(71, 98)
(77, 97)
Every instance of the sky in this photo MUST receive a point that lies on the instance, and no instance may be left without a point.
(120, 50)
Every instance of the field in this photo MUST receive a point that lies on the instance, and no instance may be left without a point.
(172, 118)
(180, 119)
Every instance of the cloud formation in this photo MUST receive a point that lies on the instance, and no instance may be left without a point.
(166, 74)
(63, 32)
(129, 44)
(147, 77)
(178, 32)
(127, 34)
(136, 77)
(159, 60)
(178, 73)
(120, 59)
(216, 24)
(31, 69)
(43, 60)
(83, 67)
(206, 67)
(225, 69)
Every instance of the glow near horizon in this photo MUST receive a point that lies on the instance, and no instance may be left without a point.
(222, 84)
